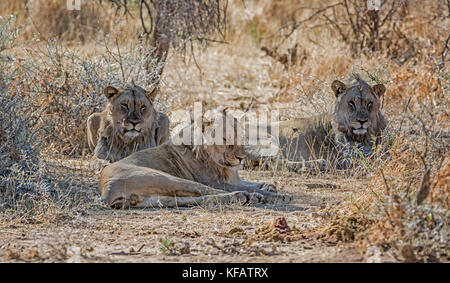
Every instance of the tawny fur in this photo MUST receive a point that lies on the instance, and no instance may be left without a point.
(107, 136)
(182, 175)
(330, 137)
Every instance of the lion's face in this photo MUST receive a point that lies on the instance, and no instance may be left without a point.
(229, 151)
(357, 109)
(131, 111)
(227, 155)
(221, 140)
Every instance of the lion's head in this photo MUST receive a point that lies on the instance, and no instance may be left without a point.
(216, 140)
(227, 155)
(357, 112)
(224, 139)
(131, 111)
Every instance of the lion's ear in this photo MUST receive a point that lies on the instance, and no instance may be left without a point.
(110, 92)
(338, 87)
(379, 90)
(151, 94)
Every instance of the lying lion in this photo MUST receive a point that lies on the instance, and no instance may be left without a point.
(128, 124)
(176, 175)
(331, 140)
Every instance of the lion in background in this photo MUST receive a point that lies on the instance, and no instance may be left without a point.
(177, 174)
(331, 140)
(129, 123)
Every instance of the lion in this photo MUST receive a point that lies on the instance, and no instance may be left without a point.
(330, 140)
(129, 123)
(179, 174)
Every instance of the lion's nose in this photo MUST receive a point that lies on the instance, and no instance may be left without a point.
(362, 121)
(134, 122)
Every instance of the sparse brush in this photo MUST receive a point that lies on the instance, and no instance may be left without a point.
(407, 199)
(67, 88)
(412, 220)
(19, 147)
(28, 185)
(18, 140)
(168, 23)
(9, 31)
(45, 19)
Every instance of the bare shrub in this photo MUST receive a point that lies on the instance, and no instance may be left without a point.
(178, 24)
(45, 19)
(407, 198)
(361, 26)
(67, 88)
(396, 29)
(19, 145)
(414, 221)
(16, 137)
(30, 185)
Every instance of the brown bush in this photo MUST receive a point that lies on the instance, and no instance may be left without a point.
(408, 196)
(19, 143)
(45, 19)
(66, 88)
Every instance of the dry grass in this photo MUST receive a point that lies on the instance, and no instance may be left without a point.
(46, 19)
(398, 207)
(63, 78)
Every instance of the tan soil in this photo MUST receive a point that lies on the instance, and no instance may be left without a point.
(215, 234)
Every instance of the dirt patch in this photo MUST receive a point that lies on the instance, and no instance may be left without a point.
(345, 228)
(278, 231)
(213, 234)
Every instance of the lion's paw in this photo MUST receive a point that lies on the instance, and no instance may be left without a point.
(246, 198)
(239, 197)
(268, 188)
(255, 198)
(279, 198)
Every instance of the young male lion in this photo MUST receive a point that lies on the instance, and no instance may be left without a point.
(128, 124)
(177, 174)
(331, 140)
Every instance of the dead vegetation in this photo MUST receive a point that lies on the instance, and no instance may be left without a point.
(20, 149)
(278, 231)
(63, 78)
(45, 20)
(177, 24)
(280, 55)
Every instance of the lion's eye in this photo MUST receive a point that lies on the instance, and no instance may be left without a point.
(352, 105)
(124, 107)
(143, 108)
(369, 106)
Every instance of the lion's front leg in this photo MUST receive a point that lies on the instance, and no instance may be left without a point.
(93, 124)
(133, 186)
(266, 187)
(225, 198)
(267, 191)
(104, 151)
(100, 159)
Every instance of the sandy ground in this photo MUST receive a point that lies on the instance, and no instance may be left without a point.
(212, 234)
